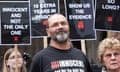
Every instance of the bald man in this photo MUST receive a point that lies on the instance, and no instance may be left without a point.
(60, 56)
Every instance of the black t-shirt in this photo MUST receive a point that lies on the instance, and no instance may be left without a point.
(54, 60)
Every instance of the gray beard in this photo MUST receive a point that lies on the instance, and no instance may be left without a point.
(62, 37)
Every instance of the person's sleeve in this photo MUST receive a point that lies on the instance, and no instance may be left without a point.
(89, 69)
(87, 64)
(36, 64)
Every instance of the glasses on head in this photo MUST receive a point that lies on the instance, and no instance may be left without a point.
(116, 54)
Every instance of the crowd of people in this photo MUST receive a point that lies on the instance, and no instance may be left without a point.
(61, 55)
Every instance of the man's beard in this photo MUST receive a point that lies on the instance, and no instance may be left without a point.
(62, 37)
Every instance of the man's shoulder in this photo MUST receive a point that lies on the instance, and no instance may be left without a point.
(42, 52)
(77, 50)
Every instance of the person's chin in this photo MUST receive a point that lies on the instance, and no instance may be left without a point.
(114, 67)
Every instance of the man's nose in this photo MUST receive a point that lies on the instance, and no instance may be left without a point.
(60, 25)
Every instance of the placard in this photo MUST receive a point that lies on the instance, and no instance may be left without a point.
(80, 14)
(15, 23)
(107, 15)
(41, 10)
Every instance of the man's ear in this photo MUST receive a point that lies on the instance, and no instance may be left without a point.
(47, 31)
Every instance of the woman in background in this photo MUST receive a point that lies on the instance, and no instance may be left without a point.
(109, 54)
(9, 63)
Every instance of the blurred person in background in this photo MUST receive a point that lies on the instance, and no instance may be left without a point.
(9, 62)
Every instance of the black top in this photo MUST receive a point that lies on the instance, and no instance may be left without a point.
(54, 60)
